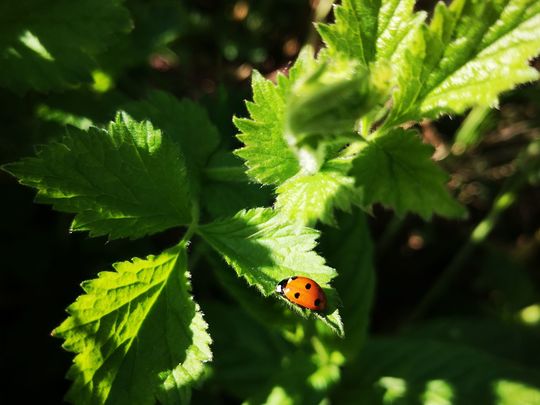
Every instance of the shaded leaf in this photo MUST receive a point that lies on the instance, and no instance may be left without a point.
(182, 121)
(303, 379)
(395, 169)
(246, 353)
(412, 371)
(50, 45)
(272, 315)
(349, 249)
(256, 363)
(509, 340)
(227, 188)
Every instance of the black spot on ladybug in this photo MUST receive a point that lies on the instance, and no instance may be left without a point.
(296, 295)
(308, 286)
(317, 302)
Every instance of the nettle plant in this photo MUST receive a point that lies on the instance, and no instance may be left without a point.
(334, 133)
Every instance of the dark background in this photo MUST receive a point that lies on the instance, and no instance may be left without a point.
(210, 60)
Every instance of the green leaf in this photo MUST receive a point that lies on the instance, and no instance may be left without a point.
(184, 122)
(254, 362)
(126, 181)
(304, 380)
(412, 371)
(306, 198)
(349, 249)
(264, 250)
(508, 340)
(270, 314)
(472, 51)
(355, 30)
(268, 157)
(147, 38)
(227, 188)
(328, 101)
(373, 32)
(395, 169)
(45, 46)
(250, 360)
(246, 354)
(222, 199)
(137, 333)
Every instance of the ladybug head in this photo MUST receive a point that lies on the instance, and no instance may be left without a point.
(281, 285)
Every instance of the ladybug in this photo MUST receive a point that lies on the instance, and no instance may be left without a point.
(304, 292)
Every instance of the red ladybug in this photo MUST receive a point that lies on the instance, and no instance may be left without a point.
(304, 292)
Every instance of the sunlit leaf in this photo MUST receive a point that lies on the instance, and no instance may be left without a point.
(137, 333)
(125, 181)
(264, 250)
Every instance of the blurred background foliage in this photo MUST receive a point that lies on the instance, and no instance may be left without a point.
(466, 292)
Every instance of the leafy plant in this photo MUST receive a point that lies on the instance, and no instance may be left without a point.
(337, 133)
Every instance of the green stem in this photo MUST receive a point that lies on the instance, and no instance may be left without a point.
(192, 228)
(365, 126)
(353, 149)
(471, 130)
(479, 234)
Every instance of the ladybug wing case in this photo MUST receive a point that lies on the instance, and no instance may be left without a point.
(304, 292)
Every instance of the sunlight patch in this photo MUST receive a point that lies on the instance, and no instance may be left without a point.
(530, 315)
(438, 392)
(278, 395)
(34, 44)
(102, 81)
(395, 388)
(63, 117)
(511, 392)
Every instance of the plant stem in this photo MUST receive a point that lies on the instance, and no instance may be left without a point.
(479, 234)
(193, 226)
(353, 149)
